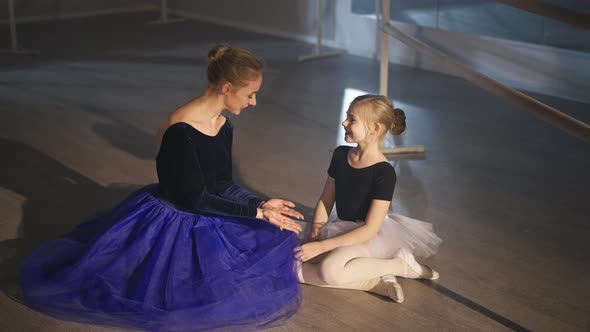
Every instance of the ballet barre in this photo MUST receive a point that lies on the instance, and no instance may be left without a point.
(549, 114)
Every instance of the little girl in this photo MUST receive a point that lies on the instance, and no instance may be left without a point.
(365, 248)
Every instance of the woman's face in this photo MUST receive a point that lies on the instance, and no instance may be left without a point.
(238, 98)
(354, 127)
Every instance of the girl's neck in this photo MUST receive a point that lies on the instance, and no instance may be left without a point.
(367, 151)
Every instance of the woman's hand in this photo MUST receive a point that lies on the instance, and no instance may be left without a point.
(314, 233)
(283, 206)
(277, 218)
(309, 250)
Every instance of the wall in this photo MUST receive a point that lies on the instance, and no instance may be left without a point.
(294, 19)
(531, 67)
(494, 19)
(510, 45)
(38, 10)
(509, 53)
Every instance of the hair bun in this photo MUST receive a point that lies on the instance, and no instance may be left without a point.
(398, 112)
(217, 52)
(399, 122)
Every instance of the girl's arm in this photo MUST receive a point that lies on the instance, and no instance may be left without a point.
(323, 208)
(364, 233)
(326, 202)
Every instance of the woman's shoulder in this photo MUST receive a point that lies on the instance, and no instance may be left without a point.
(184, 128)
(175, 134)
(178, 128)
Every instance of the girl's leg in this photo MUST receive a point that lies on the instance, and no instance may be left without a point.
(310, 273)
(347, 265)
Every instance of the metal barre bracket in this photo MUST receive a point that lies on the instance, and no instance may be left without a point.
(164, 15)
(15, 49)
(317, 54)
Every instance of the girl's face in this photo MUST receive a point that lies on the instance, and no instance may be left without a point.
(238, 98)
(354, 127)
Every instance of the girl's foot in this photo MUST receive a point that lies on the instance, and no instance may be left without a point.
(413, 269)
(393, 288)
(389, 287)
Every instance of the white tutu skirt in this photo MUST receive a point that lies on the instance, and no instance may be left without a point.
(396, 232)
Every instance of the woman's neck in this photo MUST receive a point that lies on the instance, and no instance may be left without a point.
(207, 107)
(203, 112)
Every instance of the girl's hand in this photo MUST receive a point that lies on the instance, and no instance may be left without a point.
(278, 219)
(283, 206)
(309, 250)
(314, 233)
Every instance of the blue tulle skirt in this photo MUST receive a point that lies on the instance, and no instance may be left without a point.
(145, 264)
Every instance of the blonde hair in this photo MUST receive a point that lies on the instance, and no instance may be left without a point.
(379, 109)
(231, 64)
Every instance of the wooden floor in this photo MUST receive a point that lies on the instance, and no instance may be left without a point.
(508, 193)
